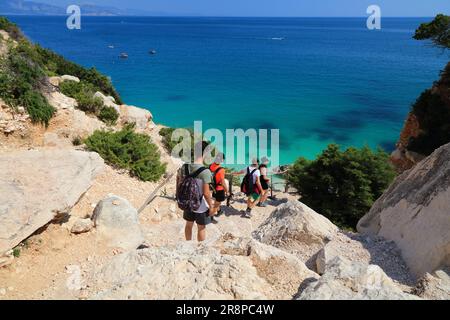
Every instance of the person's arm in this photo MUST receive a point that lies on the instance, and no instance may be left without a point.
(222, 181)
(238, 173)
(208, 198)
(258, 183)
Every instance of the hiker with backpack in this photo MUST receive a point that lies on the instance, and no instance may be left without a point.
(265, 182)
(251, 186)
(194, 195)
(219, 185)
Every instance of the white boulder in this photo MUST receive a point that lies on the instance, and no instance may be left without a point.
(345, 280)
(117, 222)
(36, 185)
(140, 117)
(296, 228)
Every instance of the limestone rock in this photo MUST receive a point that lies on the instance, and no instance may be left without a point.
(51, 139)
(282, 270)
(56, 81)
(415, 213)
(60, 101)
(118, 223)
(324, 258)
(107, 101)
(6, 258)
(434, 286)
(297, 229)
(36, 185)
(345, 280)
(69, 78)
(186, 272)
(82, 226)
(141, 117)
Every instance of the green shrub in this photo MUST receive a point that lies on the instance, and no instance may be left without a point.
(71, 88)
(166, 134)
(16, 252)
(342, 185)
(37, 107)
(128, 150)
(83, 92)
(7, 87)
(89, 103)
(108, 115)
(438, 31)
(20, 80)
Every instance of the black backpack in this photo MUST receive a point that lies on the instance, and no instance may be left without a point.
(189, 195)
(247, 185)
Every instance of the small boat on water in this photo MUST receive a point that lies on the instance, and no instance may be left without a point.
(123, 55)
(153, 51)
(111, 46)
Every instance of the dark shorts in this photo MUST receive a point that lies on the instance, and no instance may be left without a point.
(219, 195)
(264, 184)
(202, 219)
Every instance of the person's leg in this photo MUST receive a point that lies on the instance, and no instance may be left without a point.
(188, 230)
(201, 233)
(202, 220)
(264, 197)
(249, 201)
(254, 200)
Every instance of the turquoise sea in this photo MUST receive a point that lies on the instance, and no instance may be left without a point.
(319, 80)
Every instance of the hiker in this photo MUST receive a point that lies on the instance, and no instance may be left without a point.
(194, 195)
(219, 185)
(265, 182)
(251, 186)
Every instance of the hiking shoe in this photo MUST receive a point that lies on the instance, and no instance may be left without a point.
(248, 215)
(214, 221)
(262, 205)
(219, 213)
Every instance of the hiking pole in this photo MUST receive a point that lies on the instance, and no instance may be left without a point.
(153, 195)
(271, 187)
(230, 187)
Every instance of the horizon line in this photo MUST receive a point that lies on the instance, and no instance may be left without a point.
(205, 16)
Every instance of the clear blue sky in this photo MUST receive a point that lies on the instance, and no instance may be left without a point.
(288, 8)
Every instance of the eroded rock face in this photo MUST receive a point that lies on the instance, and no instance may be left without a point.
(296, 228)
(185, 272)
(36, 185)
(434, 286)
(282, 270)
(415, 213)
(346, 280)
(117, 222)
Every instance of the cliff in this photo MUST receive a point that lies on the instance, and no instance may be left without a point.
(427, 126)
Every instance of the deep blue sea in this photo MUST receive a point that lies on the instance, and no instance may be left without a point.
(319, 80)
